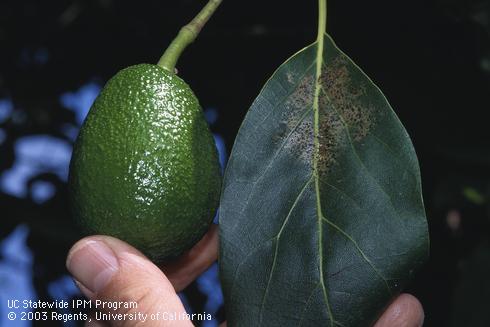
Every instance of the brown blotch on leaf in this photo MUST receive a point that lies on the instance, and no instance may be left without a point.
(302, 97)
(301, 142)
(341, 107)
(299, 128)
(330, 137)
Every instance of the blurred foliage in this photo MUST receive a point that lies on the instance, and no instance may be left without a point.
(474, 196)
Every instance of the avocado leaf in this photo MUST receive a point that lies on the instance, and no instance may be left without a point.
(322, 220)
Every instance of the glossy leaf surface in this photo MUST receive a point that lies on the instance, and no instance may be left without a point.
(321, 220)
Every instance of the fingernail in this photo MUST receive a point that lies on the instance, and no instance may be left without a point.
(92, 264)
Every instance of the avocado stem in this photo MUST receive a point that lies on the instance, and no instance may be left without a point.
(186, 36)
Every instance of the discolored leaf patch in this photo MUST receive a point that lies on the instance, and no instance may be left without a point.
(341, 108)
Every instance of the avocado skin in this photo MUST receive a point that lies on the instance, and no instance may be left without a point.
(145, 167)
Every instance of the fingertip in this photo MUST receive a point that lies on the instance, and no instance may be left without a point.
(194, 262)
(411, 304)
(405, 311)
(113, 243)
(95, 260)
(208, 243)
(75, 247)
(111, 270)
(85, 291)
(95, 323)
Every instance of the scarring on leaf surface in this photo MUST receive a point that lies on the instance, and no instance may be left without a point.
(322, 220)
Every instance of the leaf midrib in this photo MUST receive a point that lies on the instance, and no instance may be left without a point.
(316, 140)
(316, 174)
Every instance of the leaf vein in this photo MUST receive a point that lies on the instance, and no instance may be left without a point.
(316, 134)
(283, 100)
(343, 193)
(276, 250)
(361, 252)
(307, 303)
(271, 162)
(354, 150)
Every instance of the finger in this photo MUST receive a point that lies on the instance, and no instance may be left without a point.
(405, 311)
(96, 323)
(89, 294)
(194, 262)
(112, 271)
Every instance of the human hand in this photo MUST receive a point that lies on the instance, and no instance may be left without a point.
(110, 270)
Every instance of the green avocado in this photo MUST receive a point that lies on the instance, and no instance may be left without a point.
(145, 167)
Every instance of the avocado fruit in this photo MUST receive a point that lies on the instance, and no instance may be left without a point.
(145, 167)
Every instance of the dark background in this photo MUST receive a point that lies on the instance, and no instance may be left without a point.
(431, 58)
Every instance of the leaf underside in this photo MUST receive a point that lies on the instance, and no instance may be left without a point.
(321, 218)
